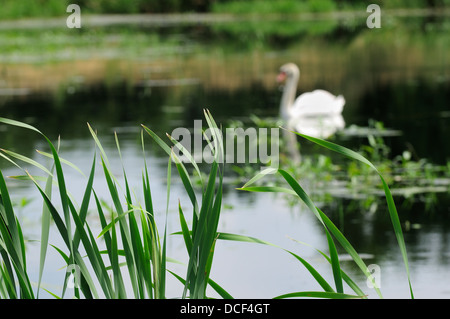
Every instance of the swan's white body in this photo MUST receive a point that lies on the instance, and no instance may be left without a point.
(317, 102)
(316, 113)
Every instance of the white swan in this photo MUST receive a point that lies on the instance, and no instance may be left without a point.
(316, 113)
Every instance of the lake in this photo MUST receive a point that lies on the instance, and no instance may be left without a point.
(397, 78)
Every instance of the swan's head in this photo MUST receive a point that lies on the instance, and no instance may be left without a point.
(288, 72)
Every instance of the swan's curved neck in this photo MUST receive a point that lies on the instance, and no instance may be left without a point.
(288, 97)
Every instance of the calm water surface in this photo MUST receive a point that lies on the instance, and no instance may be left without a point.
(407, 92)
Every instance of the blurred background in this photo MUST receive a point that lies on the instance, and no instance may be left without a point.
(161, 62)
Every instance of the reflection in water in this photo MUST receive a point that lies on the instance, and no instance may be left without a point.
(321, 126)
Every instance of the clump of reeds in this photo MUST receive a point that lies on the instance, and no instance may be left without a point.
(129, 231)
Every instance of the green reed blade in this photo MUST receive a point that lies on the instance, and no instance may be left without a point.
(260, 175)
(86, 282)
(201, 247)
(318, 294)
(211, 234)
(320, 280)
(11, 236)
(93, 254)
(135, 235)
(85, 202)
(58, 168)
(180, 167)
(329, 226)
(219, 289)
(7, 268)
(335, 263)
(27, 160)
(162, 284)
(188, 155)
(147, 244)
(64, 161)
(52, 294)
(87, 285)
(389, 199)
(124, 229)
(327, 222)
(7, 282)
(148, 227)
(267, 189)
(217, 137)
(55, 215)
(205, 219)
(19, 124)
(12, 239)
(185, 230)
(114, 258)
(9, 160)
(99, 145)
(45, 230)
(222, 292)
(62, 254)
(158, 140)
(11, 251)
(110, 242)
(108, 227)
(346, 278)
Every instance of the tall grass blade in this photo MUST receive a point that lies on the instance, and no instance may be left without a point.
(335, 264)
(180, 167)
(13, 248)
(185, 229)
(97, 142)
(64, 235)
(188, 155)
(328, 226)
(19, 124)
(27, 160)
(345, 277)
(124, 229)
(64, 161)
(389, 199)
(200, 244)
(320, 280)
(318, 294)
(134, 232)
(45, 230)
(222, 292)
(196, 277)
(147, 239)
(162, 284)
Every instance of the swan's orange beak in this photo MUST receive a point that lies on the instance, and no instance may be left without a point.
(281, 77)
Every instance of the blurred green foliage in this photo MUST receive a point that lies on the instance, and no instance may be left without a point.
(13, 9)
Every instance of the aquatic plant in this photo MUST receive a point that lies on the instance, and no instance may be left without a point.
(129, 229)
